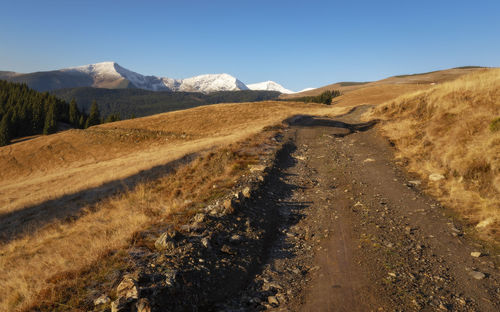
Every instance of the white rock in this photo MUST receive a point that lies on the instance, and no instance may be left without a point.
(475, 254)
(477, 275)
(103, 299)
(436, 177)
(485, 223)
(127, 288)
(273, 300)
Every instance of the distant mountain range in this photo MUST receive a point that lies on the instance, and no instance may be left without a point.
(110, 75)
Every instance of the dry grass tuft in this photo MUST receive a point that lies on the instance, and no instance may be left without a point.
(450, 129)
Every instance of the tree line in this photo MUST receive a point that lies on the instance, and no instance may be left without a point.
(24, 111)
(324, 98)
(139, 102)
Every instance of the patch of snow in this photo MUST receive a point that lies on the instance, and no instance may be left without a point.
(100, 70)
(269, 86)
(212, 82)
(306, 89)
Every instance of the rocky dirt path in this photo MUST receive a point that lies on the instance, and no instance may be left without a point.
(357, 234)
(327, 222)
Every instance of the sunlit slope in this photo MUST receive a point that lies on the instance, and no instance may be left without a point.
(450, 130)
(65, 163)
(401, 83)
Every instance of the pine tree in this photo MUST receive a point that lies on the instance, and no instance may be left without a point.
(81, 122)
(38, 117)
(5, 130)
(94, 117)
(74, 117)
(112, 118)
(50, 120)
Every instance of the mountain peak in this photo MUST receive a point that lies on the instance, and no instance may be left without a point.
(269, 86)
(212, 82)
(111, 75)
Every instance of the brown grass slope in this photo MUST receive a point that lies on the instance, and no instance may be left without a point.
(449, 129)
(416, 79)
(48, 225)
(66, 163)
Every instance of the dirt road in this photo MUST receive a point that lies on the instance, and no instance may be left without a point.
(357, 234)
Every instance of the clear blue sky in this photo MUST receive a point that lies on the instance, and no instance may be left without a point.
(296, 43)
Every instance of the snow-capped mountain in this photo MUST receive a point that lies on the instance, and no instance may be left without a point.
(112, 76)
(211, 83)
(269, 86)
(306, 89)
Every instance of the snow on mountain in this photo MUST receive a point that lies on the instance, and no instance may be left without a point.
(110, 74)
(211, 83)
(306, 89)
(101, 70)
(107, 73)
(269, 86)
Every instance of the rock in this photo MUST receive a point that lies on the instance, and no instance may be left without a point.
(475, 254)
(235, 238)
(227, 249)
(477, 275)
(199, 217)
(392, 274)
(127, 288)
(273, 301)
(121, 305)
(205, 242)
(246, 192)
(143, 305)
(485, 222)
(166, 241)
(443, 307)
(414, 183)
(229, 206)
(258, 168)
(436, 177)
(192, 227)
(170, 277)
(103, 299)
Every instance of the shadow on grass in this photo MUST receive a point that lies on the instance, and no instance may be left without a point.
(68, 208)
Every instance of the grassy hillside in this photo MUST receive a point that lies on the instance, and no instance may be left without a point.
(451, 129)
(138, 102)
(401, 80)
(62, 221)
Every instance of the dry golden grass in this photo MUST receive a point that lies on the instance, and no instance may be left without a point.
(65, 163)
(50, 167)
(28, 264)
(446, 130)
(376, 94)
(423, 80)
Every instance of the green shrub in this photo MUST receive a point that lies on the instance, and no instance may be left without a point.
(495, 124)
